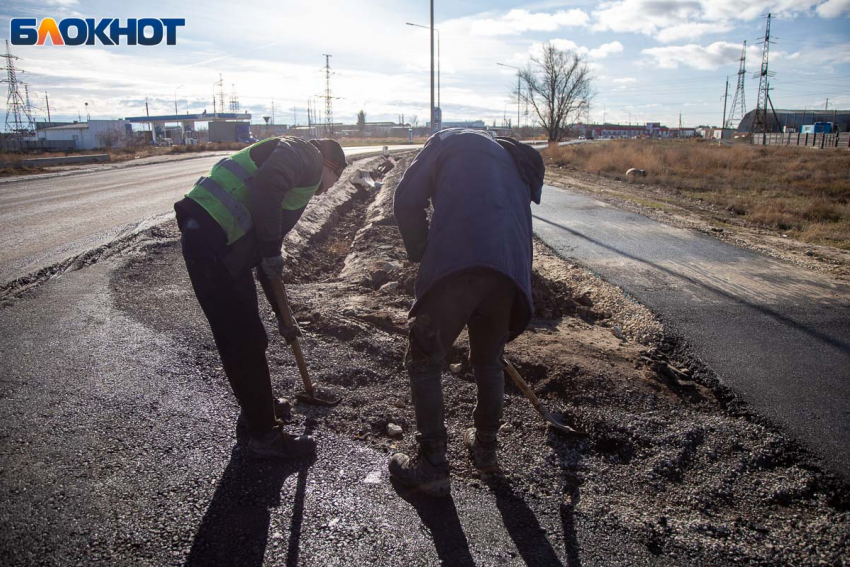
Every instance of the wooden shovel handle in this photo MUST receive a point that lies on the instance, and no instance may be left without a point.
(523, 386)
(286, 315)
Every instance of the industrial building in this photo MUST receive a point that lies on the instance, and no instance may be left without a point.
(648, 130)
(794, 120)
(88, 135)
(183, 130)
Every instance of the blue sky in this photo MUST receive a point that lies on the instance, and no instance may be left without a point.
(651, 59)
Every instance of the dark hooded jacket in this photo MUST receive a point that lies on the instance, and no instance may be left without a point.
(482, 211)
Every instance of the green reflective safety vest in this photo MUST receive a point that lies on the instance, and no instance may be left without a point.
(226, 193)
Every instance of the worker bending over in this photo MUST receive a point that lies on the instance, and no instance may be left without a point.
(475, 271)
(233, 220)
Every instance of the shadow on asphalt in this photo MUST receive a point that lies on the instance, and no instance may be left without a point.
(839, 344)
(235, 527)
(440, 517)
(523, 527)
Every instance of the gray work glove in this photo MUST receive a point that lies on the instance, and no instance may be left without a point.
(272, 266)
(288, 333)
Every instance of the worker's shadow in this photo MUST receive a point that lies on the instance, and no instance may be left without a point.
(521, 523)
(440, 518)
(235, 527)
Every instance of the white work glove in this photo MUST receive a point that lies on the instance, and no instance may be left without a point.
(272, 266)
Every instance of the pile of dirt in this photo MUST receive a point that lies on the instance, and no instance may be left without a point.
(663, 459)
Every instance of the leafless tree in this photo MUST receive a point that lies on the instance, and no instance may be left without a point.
(558, 87)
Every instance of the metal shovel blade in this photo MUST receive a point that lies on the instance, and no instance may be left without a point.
(325, 399)
(558, 425)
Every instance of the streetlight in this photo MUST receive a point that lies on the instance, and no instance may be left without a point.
(88, 117)
(175, 98)
(438, 57)
(517, 90)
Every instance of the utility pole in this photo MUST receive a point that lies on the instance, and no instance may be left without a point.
(329, 113)
(826, 105)
(725, 96)
(272, 111)
(518, 91)
(234, 100)
(47, 104)
(433, 125)
(18, 121)
(739, 106)
(219, 83)
(220, 92)
(760, 122)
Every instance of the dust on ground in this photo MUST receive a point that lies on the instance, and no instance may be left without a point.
(670, 459)
(661, 204)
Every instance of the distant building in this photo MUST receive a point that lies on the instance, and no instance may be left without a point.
(90, 135)
(794, 120)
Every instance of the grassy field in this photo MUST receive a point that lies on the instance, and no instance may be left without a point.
(802, 192)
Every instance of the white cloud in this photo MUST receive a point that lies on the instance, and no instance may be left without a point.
(690, 30)
(624, 80)
(833, 8)
(517, 22)
(600, 52)
(674, 20)
(605, 50)
(696, 56)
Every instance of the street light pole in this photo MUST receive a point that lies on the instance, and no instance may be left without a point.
(517, 90)
(433, 128)
(432, 60)
(175, 99)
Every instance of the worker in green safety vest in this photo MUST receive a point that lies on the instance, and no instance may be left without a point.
(233, 220)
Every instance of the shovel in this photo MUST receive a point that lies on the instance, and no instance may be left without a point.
(309, 396)
(558, 425)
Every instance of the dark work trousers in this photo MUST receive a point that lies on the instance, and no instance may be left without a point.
(232, 310)
(480, 299)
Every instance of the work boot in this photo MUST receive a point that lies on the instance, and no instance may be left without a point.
(277, 443)
(428, 471)
(483, 452)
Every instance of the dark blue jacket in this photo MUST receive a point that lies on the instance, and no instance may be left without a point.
(482, 213)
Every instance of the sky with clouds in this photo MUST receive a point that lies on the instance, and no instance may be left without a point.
(652, 60)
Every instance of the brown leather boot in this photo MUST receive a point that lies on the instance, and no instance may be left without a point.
(428, 471)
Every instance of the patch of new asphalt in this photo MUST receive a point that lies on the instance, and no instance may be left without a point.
(118, 446)
(778, 335)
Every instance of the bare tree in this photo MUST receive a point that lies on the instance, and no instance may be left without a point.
(558, 88)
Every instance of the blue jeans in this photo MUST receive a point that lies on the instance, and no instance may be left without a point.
(481, 300)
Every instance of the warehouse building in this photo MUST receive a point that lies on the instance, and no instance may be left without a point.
(794, 120)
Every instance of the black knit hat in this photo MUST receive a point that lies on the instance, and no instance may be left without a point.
(332, 154)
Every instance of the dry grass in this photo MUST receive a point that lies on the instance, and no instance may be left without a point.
(799, 191)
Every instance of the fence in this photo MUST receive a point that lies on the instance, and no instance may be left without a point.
(841, 140)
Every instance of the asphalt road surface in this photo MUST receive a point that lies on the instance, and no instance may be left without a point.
(117, 448)
(776, 334)
(50, 218)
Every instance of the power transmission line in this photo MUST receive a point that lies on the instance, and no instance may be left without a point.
(761, 123)
(329, 113)
(19, 120)
(739, 106)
